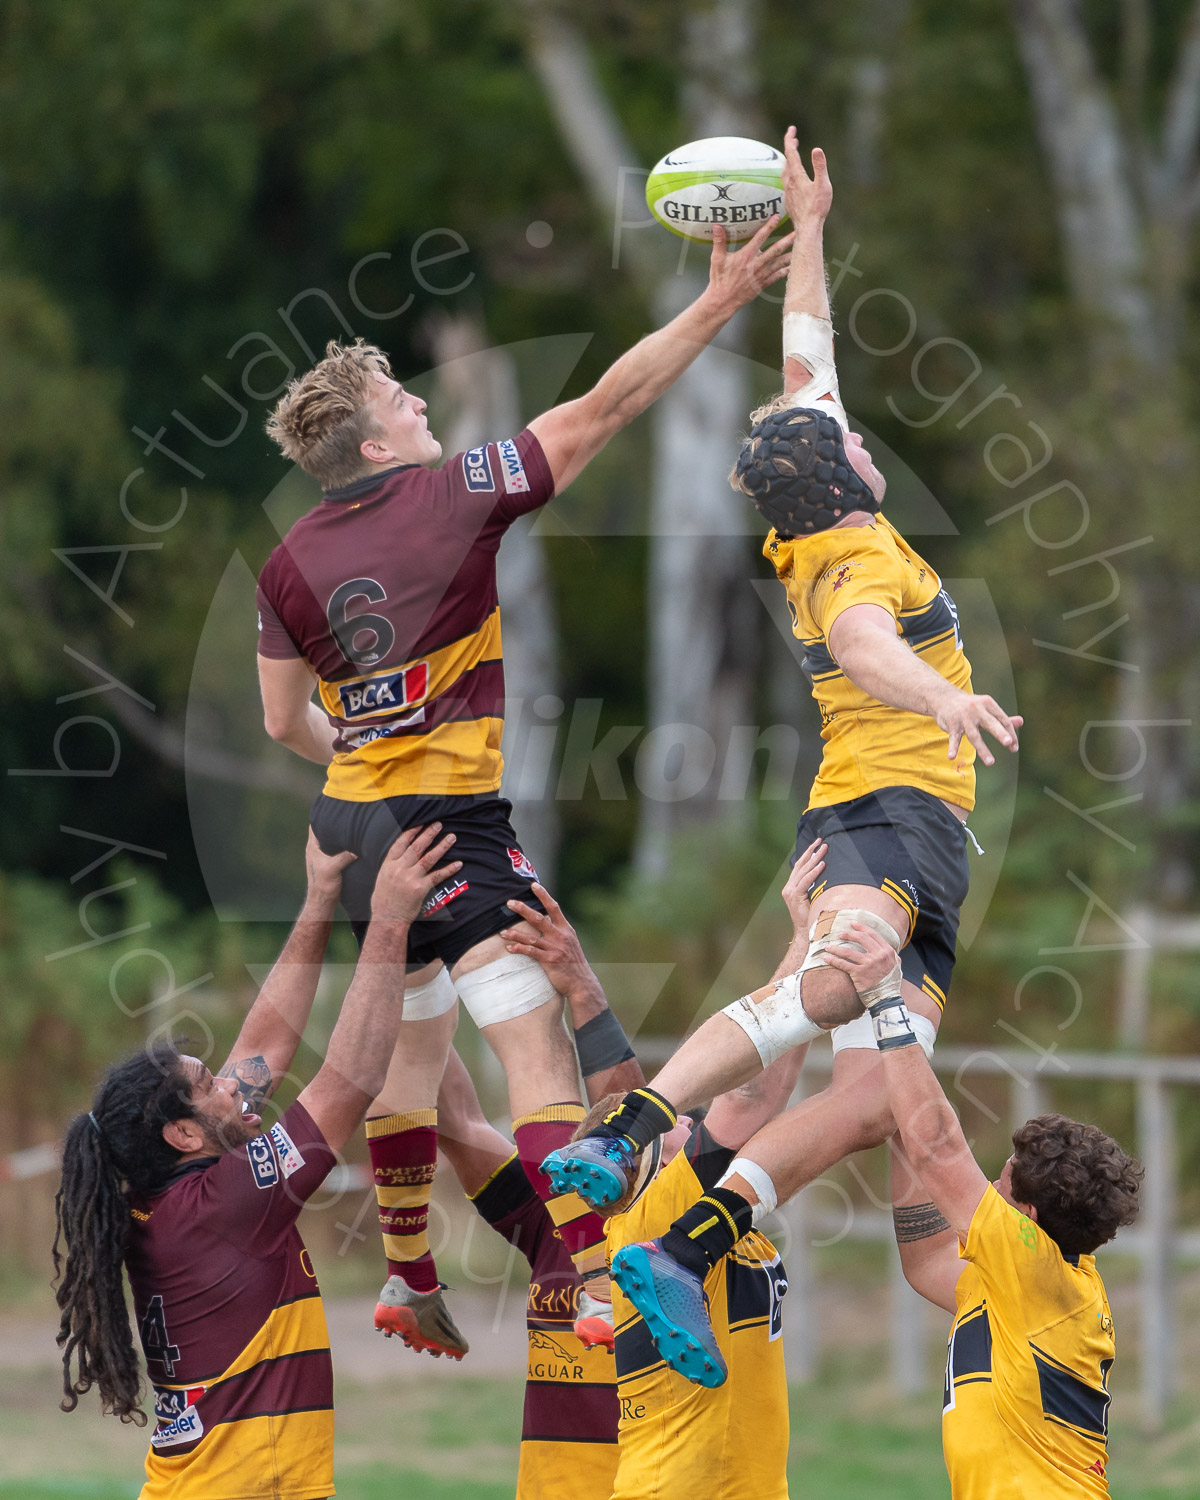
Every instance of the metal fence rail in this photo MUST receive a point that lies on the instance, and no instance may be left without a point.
(1156, 1241)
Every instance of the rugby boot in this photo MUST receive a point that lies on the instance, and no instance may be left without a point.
(674, 1308)
(420, 1319)
(594, 1322)
(600, 1168)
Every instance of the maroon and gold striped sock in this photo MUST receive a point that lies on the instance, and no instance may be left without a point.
(580, 1230)
(403, 1160)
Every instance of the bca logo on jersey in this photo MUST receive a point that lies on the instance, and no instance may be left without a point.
(289, 1157)
(169, 1405)
(516, 481)
(477, 469)
(522, 864)
(262, 1161)
(386, 693)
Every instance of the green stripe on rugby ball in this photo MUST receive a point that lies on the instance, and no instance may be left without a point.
(762, 185)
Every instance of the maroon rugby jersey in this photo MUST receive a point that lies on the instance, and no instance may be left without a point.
(388, 590)
(232, 1326)
(569, 1431)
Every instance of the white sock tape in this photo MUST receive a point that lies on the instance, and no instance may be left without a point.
(810, 340)
(760, 1180)
(507, 987)
(423, 1002)
(778, 1022)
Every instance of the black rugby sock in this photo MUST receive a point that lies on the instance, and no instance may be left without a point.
(639, 1117)
(708, 1230)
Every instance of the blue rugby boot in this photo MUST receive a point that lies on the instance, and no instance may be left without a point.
(599, 1168)
(672, 1303)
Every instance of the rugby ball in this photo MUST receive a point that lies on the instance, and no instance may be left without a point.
(723, 180)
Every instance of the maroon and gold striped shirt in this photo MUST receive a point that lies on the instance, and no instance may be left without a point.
(388, 590)
(232, 1326)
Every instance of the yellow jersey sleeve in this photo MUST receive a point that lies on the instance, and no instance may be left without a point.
(864, 569)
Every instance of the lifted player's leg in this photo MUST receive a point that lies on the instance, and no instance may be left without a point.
(520, 1014)
(729, 1048)
(402, 1140)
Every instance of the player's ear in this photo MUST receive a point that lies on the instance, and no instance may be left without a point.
(183, 1135)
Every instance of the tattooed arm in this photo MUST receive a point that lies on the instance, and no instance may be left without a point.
(273, 1027)
(927, 1243)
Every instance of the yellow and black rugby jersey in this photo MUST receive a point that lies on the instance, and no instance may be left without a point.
(1026, 1397)
(388, 590)
(569, 1430)
(232, 1326)
(677, 1438)
(867, 744)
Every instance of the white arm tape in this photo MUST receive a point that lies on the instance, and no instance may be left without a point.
(810, 340)
(507, 987)
(760, 1180)
(859, 1034)
(777, 1023)
(423, 1002)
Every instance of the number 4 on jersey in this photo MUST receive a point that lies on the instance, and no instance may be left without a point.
(156, 1341)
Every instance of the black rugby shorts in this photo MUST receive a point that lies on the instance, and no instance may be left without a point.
(912, 847)
(464, 909)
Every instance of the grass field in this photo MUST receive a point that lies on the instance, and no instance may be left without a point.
(456, 1442)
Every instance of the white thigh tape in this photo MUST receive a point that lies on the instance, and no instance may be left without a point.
(776, 1023)
(838, 931)
(423, 1002)
(507, 987)
(810, 340)
(760, 1180)
(859, 1033)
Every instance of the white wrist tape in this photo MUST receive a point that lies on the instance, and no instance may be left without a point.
(507, 987)
(777, 1023)
(760, 1180)
(810, 340)
(892, 1024)
(423, 1002)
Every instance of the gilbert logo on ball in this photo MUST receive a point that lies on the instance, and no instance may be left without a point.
(724, 180)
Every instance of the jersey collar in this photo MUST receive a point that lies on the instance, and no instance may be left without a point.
(364, 486)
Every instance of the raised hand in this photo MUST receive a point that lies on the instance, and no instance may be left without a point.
(807, 199)
(550, 939)
(324, 872)
(795, 892)
(408, 874)
(737, 276)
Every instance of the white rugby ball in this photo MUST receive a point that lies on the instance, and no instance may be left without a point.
(726, 180)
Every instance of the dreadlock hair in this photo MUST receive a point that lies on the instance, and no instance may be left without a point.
(322, 418)
(119, 1145)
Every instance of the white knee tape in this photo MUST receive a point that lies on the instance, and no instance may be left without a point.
(777, 1023)
(810, 340)
(507, 987)
(760, 1180)
(859, 1033)
(423, 1002)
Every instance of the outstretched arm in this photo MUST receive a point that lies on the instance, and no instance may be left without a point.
(364, 1037)
(572, 434)
(274, 1024)
(808, 200)
(933, 1139)
(865, 645)
(550, 939)
(928, 1245)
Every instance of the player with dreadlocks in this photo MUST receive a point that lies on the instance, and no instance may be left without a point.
(171, 1178)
